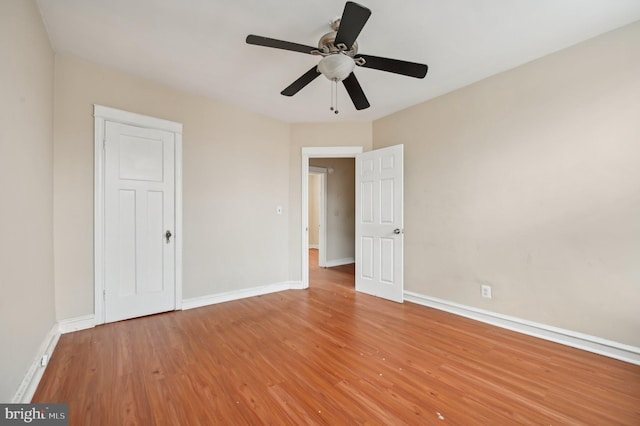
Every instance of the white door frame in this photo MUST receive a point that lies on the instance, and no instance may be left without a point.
(316, 152)
(322, 235)
(101, 115)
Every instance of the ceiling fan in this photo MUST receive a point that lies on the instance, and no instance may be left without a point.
(339, 51)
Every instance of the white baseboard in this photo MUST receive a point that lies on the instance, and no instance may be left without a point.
(574, 339)
(197, 302)
(314, 246)
(34, 374)
(296, 285)
(339, 262)
(31, 380)
(77, 324)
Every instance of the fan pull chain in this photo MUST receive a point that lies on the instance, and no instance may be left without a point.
(334, 106)
(335, 84)
(331, 88)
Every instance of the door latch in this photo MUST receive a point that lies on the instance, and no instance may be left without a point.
(167, 235)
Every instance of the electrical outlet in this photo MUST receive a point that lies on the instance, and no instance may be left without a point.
(485, 290)
(44, 360)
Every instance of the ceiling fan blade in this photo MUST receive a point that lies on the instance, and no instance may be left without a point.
(353, 19)
(279, 44)
(300, 83)
(355, 92)
(410, 69)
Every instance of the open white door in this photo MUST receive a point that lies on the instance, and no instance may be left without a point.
(139, 221)
(379, 223)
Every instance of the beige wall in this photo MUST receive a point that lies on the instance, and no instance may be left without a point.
(529, 181)
(315, 135)
(26, 201)
(341, 207)
(314, 209)
(235, 167)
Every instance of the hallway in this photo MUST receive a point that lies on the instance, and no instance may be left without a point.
(342, 275)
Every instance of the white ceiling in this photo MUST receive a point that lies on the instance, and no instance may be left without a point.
(199, 45)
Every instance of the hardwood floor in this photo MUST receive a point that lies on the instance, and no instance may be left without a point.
(330, 356)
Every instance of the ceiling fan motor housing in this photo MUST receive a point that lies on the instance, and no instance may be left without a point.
(327, 45)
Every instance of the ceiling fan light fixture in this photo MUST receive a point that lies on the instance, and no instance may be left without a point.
(336, 67)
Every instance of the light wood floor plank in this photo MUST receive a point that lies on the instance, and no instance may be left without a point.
(330, 356)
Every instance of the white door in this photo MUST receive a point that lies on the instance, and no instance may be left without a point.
(139, 221)
(379, 223)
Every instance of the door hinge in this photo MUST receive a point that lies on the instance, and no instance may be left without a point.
(104, 294)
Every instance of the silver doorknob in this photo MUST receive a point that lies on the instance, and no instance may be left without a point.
(396, 231)
(167, 235)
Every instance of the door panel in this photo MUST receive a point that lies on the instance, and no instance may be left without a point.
(140, 158)
(139, 209)
(126, 253)
(366, 213)
(366, 258)
(379, 223)
(387, 258)
(154, 234)
(386, 201)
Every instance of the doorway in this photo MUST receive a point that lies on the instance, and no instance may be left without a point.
(337, 209)
(379, 200)
(307, 154)
(318, 213)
